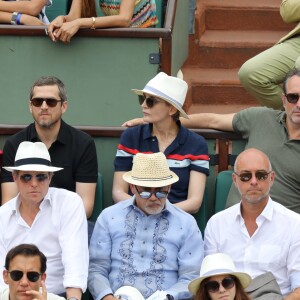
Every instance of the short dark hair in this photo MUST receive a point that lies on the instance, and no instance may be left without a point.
(26, 250)
(50, 80)
(291, 73)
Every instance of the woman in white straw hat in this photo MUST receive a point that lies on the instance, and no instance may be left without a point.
(219, 280)
(162, 102)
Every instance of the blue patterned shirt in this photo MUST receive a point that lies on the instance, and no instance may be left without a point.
(154, 252)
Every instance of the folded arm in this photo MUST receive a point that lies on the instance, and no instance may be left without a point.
(31, 7)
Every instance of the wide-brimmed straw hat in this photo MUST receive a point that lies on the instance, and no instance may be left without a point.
(32, 157)
(218, 264)
(150, 170)
(168, 88)
(128, 293)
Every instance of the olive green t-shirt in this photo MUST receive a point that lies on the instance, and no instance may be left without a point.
(265, 129)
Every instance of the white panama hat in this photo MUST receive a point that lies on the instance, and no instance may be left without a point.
(168, 88)
(218, 264)
(150, 170)
(128, 293)
(32, 157)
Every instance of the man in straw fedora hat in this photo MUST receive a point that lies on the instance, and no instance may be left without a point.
(53, 219)
(145, 241)
(259, 234)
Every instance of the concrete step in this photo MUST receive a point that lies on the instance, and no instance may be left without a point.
(215, 87)
(244, 18)
(231, 48)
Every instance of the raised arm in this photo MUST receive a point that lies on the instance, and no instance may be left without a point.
(209, 120)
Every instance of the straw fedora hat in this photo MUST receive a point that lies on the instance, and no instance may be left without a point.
(150, 170)
(128, 293)
(32, 157)
(218, 264)
(168, 88)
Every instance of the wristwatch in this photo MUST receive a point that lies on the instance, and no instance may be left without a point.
(14, 18)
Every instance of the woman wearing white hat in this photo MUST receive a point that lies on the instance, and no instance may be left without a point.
(219, 280)
(161, 101)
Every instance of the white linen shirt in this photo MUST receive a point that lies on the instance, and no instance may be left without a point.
(59, 230)
(274, 246)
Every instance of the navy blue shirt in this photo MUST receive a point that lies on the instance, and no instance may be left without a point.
(187, 152)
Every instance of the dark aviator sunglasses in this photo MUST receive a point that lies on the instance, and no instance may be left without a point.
(150, 101)
(292, 97)
(38, 102)
(17, 275)
(28, 177)
(259, 175)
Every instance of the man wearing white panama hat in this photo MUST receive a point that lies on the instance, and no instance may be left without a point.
(145, 241)
(51, 218)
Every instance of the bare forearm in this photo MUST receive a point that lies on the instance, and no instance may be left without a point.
(73, 292)
(209, 120)
(32, 8)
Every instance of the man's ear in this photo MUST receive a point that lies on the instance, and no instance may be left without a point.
(43, 277)
(132, 188)
(5, 275)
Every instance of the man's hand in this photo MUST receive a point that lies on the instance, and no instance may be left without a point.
(134, 122)
(36, 295)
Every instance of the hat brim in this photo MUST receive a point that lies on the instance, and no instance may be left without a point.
(34, 168)
(141, 92)
(150, 183)
(244, 278)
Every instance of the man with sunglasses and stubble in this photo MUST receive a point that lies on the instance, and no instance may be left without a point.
(145, 242)
(51, 218)
(69, 147)
(259, 234)
(24, 274)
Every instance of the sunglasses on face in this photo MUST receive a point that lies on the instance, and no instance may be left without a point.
(39, 177)
(150, 101)
(38, 102)
(259, 175)
(214, 286)
(147, 195)
(17, 275)
(292, 97)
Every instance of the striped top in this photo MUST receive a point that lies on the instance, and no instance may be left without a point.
(187, 152)
(144, 14)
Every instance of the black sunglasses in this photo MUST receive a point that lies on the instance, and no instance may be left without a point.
(259, 175)
(214, 286)
(39, 177)
(147, 195)
(292, 97)
(17, 275)
(37, 102)
(150, 101)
